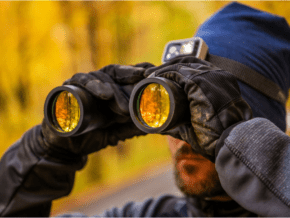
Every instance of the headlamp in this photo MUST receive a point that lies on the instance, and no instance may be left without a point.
(193, 46)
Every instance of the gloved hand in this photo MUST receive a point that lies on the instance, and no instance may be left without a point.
(113, 84)
(215, 102)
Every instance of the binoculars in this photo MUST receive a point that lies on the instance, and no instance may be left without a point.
(156, 105)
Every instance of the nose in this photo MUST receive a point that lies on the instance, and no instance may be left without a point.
(174, 144)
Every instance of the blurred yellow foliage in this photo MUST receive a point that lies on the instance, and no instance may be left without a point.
(44, 43)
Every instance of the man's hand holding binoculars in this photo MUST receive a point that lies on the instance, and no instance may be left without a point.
(214, 100)
(208, 95)
(110, 87)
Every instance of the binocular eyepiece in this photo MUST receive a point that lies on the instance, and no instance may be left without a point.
(156, 105)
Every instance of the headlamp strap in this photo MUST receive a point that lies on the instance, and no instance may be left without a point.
(250, 77)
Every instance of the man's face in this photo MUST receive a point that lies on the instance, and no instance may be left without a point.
(194, 174)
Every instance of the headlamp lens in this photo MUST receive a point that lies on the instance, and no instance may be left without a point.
(65, 112)
(154, 105)
(187, 48)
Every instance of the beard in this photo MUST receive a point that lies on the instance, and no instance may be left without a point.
(207, 187)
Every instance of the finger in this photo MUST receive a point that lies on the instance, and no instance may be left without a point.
(144, 65)
(191, 61)
(105, 78)
(95, 83)
(108, 89)
(100, 90)
(184, 70)
(124, 74)
(79, 79)
(120, 103)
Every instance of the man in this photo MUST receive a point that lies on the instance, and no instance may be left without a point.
(229, 162)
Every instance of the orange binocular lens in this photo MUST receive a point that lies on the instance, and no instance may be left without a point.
(66, 112)
(154, 105)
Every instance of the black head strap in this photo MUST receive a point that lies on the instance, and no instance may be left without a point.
(250, 77)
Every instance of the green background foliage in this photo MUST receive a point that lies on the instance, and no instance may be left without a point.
(44, 43)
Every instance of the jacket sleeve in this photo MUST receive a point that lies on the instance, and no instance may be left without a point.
(163, 206)
(254, 167)
(31, 177)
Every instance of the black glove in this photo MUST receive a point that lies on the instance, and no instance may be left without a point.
(215, 102)
(113, 84)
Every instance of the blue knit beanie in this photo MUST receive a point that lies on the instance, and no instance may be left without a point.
(258, 40)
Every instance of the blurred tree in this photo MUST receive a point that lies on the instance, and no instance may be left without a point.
(67, 13)
(92, 27)
(22, 87)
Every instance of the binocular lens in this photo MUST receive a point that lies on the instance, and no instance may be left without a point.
(65, 112)
(154, 105)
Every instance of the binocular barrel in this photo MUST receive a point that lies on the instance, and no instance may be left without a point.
(156, 105)
(71, 111)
